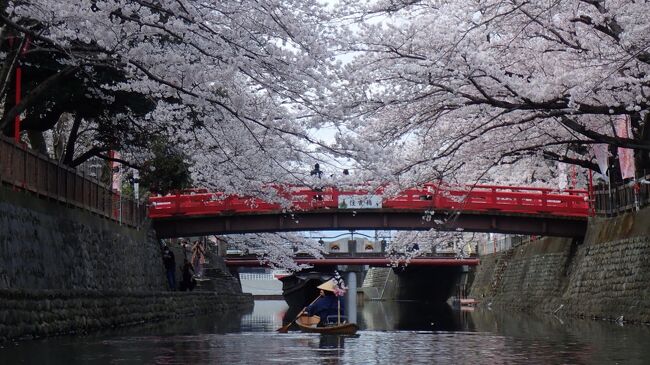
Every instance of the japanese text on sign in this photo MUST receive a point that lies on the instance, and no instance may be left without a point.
(359, 202)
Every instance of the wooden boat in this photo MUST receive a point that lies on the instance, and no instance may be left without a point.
(308, 324)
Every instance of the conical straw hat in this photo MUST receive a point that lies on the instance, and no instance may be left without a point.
(328, 285)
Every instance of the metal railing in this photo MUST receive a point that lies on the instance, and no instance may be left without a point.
(256, 276)
(504, 243)
(613, 200)
(28, 170)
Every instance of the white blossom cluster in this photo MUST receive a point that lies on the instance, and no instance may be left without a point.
(237, 85)
(407, 245)
(277, 250)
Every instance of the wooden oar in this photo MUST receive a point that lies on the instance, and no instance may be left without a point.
(285, 328)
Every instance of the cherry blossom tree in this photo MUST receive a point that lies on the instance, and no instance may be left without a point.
(238, 85)
(417, 91)
(470, 90)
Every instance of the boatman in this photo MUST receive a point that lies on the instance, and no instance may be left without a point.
(328, 307)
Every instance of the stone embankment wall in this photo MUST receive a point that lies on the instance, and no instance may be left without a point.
(418, 283)
(64, 270)
(605, 276)
(44, 245)
(29, 314)
(379, 283)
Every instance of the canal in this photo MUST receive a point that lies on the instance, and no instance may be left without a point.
(391, 333)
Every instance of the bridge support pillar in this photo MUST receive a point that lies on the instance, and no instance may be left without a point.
(351, 296)
(222, 248)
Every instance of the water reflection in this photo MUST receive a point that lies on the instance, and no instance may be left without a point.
(267, 316)
(391, 332)
(410, 316)
(574, 341)
(398, 315)
(332, 341)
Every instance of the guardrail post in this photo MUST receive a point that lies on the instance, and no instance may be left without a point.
(493, 197)
(24, 168)
(177, 206)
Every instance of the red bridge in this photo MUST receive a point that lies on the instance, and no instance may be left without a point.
(479, 208)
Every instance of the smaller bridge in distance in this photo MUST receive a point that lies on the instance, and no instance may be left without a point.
(477, 208)
(370, 259)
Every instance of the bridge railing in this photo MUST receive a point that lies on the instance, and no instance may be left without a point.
(614, 200)
(492, 197)
(428, 197)
(28, 170)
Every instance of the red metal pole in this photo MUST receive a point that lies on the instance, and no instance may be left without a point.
(19, 75)
(590, 194)
(19, 78)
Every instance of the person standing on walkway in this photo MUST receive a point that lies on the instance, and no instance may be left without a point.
(170, 267)
(185, 245)
(198, 258)
(188, 283)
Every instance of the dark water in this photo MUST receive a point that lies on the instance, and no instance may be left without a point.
(391, 333)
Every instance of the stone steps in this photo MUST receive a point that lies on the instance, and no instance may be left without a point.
(501, 267)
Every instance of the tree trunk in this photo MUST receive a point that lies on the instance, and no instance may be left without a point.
(59, 136)
(37, 141)
(68, 156)
(642, 158)
(35, 95)
(614, 169)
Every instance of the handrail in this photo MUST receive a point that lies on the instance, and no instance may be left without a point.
(613, 200)
(27, 170)
(512, 199)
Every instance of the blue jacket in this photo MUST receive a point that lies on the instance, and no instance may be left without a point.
(326, 306)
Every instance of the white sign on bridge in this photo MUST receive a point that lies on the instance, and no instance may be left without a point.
(359, 201)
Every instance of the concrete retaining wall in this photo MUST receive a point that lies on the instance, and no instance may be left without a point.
(606, 276)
